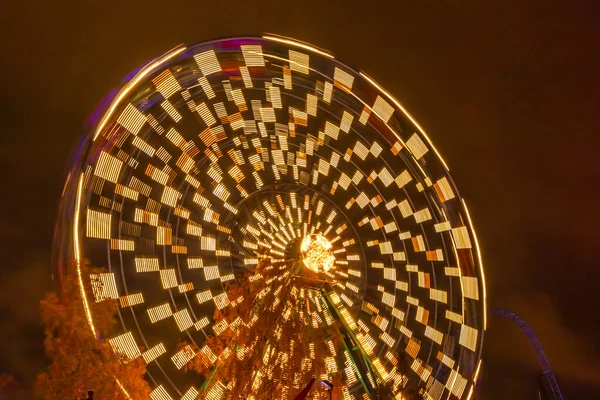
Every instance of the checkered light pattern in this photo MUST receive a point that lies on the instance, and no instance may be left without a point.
(219, 154)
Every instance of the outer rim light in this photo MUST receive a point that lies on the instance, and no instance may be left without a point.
(88, 313)
(130, 85)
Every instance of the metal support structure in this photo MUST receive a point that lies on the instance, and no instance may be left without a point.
(361, 360)
(546, 375)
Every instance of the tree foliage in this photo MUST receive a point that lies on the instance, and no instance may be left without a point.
(6, 380)
(271, 347)
(78, 360)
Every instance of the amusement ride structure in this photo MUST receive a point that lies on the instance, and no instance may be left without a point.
(252, 175)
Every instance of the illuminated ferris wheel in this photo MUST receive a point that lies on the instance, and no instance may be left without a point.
(266, 157)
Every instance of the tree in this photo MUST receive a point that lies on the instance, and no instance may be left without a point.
(267, 343)
(78, 360)
(6, 380)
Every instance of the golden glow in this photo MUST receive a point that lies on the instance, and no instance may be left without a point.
(125, 345)
(468, 337)
(154, 352)
(207, 62)
(159, 393)
(131, 119)
(316, 253)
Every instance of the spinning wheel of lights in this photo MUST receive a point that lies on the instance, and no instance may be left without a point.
(218, 154)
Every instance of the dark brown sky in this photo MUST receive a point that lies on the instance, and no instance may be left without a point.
(508, 90)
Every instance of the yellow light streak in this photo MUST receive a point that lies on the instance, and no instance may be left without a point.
(88, 313)
(476, 375)
(298, 44)
(139, 76)
(397, 103)
(122, 388)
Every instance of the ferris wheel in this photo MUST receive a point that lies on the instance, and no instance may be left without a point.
(219, 159)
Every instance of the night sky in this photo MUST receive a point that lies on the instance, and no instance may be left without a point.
(508, 91)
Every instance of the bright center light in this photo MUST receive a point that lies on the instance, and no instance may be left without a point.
(316, 253)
